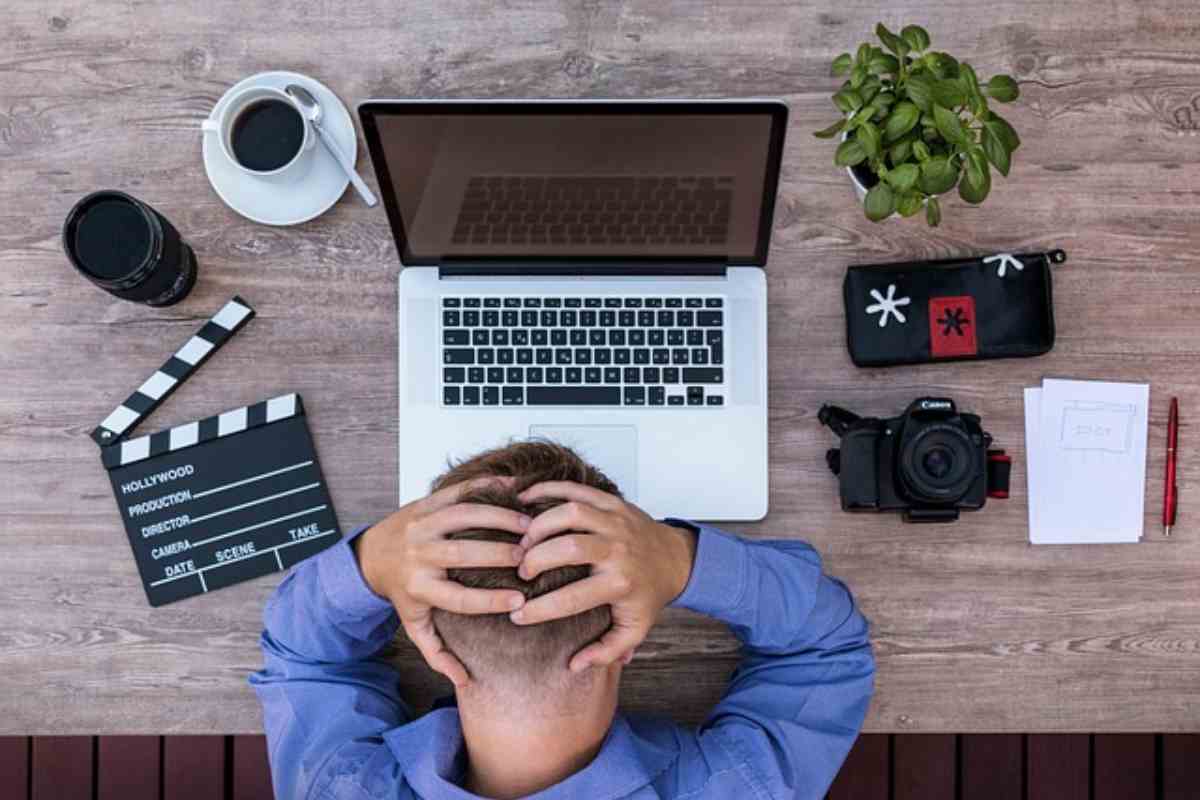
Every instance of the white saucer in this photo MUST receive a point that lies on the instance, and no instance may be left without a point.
(300, 199)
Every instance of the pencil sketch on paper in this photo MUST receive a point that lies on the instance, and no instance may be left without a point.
(1097, 426)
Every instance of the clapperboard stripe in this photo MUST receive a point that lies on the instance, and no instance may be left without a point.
(179, 367)
(234, 421)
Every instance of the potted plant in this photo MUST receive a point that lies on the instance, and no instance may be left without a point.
(916, 124)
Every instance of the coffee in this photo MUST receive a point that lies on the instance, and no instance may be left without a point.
(267, 135)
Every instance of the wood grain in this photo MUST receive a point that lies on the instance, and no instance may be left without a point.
(974, 629)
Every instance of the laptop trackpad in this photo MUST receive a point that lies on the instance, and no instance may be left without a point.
(611, 448)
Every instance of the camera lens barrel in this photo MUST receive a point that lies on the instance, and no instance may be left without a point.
(939, 463)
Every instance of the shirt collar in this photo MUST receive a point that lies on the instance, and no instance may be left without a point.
(430, 752)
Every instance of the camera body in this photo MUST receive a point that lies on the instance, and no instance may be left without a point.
(929, 463)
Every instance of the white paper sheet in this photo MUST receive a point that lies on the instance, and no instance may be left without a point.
(1086, 459)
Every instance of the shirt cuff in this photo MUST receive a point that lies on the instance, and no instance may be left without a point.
(718, 580)
(342, 581)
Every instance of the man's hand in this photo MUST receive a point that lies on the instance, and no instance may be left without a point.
(638, 565)
(405, 557)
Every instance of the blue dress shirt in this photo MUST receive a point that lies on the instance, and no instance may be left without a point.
(338, 730)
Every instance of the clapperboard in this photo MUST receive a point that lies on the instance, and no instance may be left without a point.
(221, 500)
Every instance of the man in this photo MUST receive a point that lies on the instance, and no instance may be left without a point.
(528, 582)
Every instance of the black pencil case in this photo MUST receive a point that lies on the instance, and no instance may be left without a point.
(998, 306)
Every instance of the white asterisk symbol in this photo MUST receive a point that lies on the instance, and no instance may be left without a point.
(888, 305)
(1006, 260)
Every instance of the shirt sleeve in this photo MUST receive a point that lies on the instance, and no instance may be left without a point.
(326, 698)
(800, 694)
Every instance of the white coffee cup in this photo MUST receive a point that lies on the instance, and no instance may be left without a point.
(221, 126)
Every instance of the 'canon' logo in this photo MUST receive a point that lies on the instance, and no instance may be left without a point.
(935, 405)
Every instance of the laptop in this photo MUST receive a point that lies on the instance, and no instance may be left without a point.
(588, 272)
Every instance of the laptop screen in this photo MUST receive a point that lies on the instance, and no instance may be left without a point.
(577, 181)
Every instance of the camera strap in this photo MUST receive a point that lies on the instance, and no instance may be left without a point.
(999, 470)
(837, 419)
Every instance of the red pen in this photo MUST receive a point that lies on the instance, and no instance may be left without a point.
(1170, 491)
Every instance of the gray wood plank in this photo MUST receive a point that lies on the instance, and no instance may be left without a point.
(967, 618)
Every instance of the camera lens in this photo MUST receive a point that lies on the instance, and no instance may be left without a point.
(938, 464)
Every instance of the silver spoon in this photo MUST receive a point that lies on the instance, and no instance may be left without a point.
(312, 112)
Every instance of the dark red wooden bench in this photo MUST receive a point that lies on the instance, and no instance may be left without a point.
(880, 767)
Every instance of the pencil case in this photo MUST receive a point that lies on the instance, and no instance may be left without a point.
(997, 306)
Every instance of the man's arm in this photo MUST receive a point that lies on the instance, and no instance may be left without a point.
(800, 694)
(326, 699)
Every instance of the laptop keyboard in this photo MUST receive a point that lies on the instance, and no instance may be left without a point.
(583, 351)
(517, 209)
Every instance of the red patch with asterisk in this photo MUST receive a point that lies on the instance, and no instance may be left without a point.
(952, 326)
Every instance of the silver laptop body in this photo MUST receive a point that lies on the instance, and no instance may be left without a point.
(589, 272)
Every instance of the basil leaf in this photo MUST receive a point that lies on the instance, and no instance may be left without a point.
(1003, 88)
(857, 76)
(933, 212)
(899, 151)
(904, 177)
(841, 65)
(996, 152)
(949, 126)
(968, 79)
(884, 64)
(847, 100)
(1002, 131)
(902, 119)
(849, 153)
(916, 36)
(880, 202)
(977, 181)
(909, 203)
(920, 91)
(920, 150)
(831, 131)
(938, 174)
(890, 40)
(943, 65)
(872, 142)
(946, 92)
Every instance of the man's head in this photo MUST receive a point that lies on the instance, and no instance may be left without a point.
(498, 653)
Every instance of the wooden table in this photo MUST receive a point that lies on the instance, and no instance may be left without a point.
(974, 629)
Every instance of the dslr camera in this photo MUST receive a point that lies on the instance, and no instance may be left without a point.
(929, 463)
